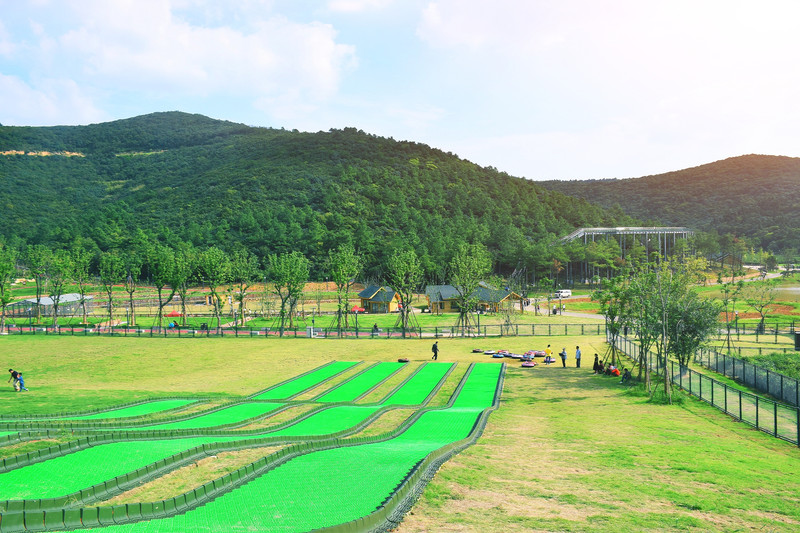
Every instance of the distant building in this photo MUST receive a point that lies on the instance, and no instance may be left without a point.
(445, 298)
(379, 299)
(68, 305)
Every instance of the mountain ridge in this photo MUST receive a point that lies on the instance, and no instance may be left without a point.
(179, 177)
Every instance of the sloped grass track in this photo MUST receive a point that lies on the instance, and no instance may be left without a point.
(319, 479)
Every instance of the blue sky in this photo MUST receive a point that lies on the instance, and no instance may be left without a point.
(540, 89)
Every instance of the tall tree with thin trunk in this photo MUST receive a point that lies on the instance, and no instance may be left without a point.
(8, 268)
(36, 260)
(133, 269)
(59, 273)
(615, 306)
(160, 263)
(112, 271)
(469, 266)
(404, 273)
(759, 295)
(214, 268)
(288, 274)
(344, 264)
(185, 270)
(244, 272)
(81, 259)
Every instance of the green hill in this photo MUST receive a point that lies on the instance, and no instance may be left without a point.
(755, 196)
(180, 177)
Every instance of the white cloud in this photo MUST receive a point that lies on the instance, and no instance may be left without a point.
(160, 49)
(48, 102)
(356, 6)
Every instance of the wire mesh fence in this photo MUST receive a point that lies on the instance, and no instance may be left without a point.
(775, 418)
(784, 388)
(485, 331)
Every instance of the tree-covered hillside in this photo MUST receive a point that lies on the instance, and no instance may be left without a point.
(187, 178)
(754, 196)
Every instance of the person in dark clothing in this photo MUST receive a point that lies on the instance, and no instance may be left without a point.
(435, 350)
(14, 379)
(596, 363)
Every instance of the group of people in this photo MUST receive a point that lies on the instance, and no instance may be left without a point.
(611, 370)
(548, 356)
(16, 380)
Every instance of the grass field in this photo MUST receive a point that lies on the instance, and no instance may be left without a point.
(566, 451)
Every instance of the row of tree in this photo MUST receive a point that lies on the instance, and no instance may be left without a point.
(173, 272)
(660, 303)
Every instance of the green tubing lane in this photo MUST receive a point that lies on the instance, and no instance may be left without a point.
(328, 487)
(227, 416)
(328, 421)
(82, 469)
(480, 387)
(360, 384)
(421, 384)
(302, 383)
(134, 410)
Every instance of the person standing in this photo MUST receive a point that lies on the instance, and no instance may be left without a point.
(577, 357)
(596, 363)
(548, 353)
(435, 350)
(563, 355)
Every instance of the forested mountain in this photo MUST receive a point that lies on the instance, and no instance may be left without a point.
(755, 196)
(175, 178)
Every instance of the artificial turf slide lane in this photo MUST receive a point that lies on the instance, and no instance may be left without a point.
(72, 472)
(334, 486)
(236, 414)
(361, 383)
(299, 384)
(420, 385)
(328, 421)
(143, 409)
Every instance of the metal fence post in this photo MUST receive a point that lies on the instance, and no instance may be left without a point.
(757, 427)
(775, 406)
(725, 391)
(740, 404)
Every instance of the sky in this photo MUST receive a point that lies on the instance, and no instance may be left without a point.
(541, 89)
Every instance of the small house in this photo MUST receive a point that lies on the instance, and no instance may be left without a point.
(445, 298)
(379, 299)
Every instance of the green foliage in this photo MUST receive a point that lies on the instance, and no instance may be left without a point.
(186, 178)
(754, 196)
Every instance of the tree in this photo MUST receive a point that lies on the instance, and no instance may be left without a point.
(694, 320)
(160, 263)
(244, 272)
(36, 260)
(132, 263)
(730, 294)
(404, 273)
(288, 273)
(343, 264)
(185, 269)
(759, 295)
(670, 315)
(214, 268)
(112, 270)
(615, 306)
(80, 259)
(59, 270)
(8, 268)
(470, 264)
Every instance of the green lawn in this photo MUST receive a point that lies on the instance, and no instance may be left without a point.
(566, 451)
